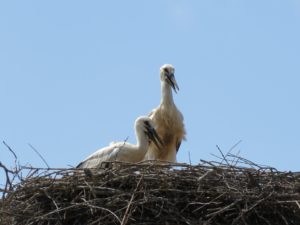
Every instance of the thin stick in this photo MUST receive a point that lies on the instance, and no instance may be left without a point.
(36, 151)
(9, 148)
(126, 215)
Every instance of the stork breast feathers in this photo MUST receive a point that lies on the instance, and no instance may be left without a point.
(166, 121)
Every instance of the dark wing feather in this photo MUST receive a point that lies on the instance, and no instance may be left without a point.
(80, 164)
(178, 143)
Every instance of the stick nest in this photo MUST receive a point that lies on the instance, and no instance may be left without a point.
(150, 193)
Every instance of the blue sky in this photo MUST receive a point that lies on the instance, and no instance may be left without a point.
(74, 75)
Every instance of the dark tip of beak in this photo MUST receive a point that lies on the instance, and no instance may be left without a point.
(175, 88)
(153, 136)
(172, 82)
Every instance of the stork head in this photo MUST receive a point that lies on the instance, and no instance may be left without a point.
(146, 125)
(167, 75)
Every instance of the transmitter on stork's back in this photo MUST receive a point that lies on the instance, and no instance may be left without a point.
(167, 118)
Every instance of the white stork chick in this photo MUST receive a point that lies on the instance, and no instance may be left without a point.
(123, 151)
(168, 119)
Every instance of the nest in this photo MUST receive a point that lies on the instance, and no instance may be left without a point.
(150, 193)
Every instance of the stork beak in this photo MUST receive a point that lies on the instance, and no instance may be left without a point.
(153, 136)
(172, 81)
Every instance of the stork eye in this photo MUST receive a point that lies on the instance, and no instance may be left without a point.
(147, 123)
(166, 70)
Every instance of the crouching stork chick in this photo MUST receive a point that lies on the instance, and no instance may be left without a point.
(123, 151)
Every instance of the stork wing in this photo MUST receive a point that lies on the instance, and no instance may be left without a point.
(178, 143)
(109, 153)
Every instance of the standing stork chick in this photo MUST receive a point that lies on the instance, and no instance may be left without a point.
(123, 151)
(167, 119)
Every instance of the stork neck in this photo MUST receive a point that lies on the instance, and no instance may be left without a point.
(166, 91)
(142, 140)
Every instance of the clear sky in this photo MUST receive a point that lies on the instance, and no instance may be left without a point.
(74, 75)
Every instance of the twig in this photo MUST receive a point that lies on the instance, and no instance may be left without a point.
(9, 148)
(126, 214)
(223, 156)
(212, 215)
(190, 161)
(8, 184)
(37, 152)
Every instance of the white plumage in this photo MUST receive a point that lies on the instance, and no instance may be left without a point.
(168, 119)
(123, 151)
